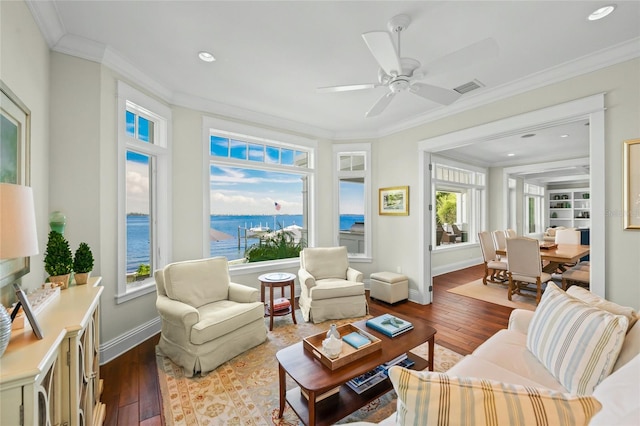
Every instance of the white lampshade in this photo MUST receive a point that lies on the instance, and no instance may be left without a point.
(18, 237)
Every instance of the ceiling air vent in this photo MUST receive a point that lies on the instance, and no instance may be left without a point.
(467, 87)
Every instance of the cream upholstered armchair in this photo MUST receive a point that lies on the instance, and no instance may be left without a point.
(206, 319)
(329, 287)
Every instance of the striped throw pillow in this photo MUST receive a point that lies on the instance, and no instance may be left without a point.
(577, 343)
(426, 398)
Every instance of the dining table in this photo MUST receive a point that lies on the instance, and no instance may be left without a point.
(556, 255)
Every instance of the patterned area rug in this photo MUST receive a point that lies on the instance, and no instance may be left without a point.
(244, 391)
(494, 293)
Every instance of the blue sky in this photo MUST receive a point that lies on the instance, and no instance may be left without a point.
(253, 192)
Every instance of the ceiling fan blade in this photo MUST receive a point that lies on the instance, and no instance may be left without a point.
(380, 105)
(381, 46)
(477, 52)
(434, 93)
(346, 88)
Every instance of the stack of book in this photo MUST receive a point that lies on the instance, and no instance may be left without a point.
(389, 325)
(371, 378)
(281, 304)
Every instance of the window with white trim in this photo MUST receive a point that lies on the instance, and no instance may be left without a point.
(533, 208)
(352, 172)
(144, 191)
(258, 203)
(459, 202)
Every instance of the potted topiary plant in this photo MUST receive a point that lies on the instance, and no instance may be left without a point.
(82, 263)
(58, 260)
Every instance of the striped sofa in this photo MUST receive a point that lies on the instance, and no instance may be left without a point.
(575, 360)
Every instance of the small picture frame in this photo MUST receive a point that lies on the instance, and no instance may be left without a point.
(393, 201)
(26, 307)
(632, 184)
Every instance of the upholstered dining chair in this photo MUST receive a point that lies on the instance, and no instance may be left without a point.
(494, 268)
(499, 240)
(567, 236)
(206, 319)
(329, 287)
(525, 267)
(510, 233)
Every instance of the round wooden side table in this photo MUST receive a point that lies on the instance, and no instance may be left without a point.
(274, 280)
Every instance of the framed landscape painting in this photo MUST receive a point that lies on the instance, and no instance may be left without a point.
(393, 201)
(632, 184)
(15, 121)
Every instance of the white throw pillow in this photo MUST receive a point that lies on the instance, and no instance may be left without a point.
(426, 398)
(594, 300)
(577, 343)
(620, 397)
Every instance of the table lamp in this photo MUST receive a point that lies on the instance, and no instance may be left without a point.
(18, 237)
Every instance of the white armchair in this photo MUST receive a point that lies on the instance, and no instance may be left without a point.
(206, 319)
(329, 287)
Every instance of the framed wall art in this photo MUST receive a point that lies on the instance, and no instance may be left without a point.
(632, 184)
(393, 201)
(15, 128)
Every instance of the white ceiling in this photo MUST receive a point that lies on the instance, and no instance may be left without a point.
(271, 56)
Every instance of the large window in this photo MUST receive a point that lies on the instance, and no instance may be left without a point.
(534, 208)
(144, 191)
(459, 195)
(258, 198)
(352, 173)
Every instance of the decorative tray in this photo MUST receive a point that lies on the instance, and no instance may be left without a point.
(313, 344)
(548, 245)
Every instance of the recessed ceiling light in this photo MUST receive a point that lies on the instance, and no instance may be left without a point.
(564, 136)
(206, 56)
(510, 154)
(601, 12)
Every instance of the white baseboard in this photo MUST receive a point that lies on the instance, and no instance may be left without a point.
(121, 344)
(450, 267)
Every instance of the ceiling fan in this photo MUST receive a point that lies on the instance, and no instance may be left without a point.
(400, 74)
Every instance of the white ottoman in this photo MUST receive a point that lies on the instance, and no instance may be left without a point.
(389, 287)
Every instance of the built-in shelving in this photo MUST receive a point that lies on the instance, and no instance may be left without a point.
(570, 208)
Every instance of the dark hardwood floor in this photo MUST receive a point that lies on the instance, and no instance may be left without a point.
(132, 395)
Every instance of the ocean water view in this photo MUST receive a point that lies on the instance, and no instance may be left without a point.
(224, 237)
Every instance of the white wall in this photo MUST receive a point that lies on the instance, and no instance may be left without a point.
(24, 68)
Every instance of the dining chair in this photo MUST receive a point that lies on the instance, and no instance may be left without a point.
(525, 267)
(510, 233)
(494, 268)
(499, 240)
(567, 236)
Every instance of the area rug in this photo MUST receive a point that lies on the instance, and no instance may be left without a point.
(244, 391)
(494, 293)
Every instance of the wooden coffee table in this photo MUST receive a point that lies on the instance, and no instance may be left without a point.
(315, 378)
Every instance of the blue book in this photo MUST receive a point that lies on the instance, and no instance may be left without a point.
(356, 339)
(389, 325)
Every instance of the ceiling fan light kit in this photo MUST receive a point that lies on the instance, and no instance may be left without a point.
(400, 74)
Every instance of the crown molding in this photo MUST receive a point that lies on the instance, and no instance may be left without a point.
(245, 115)
(48, 20)
(46, 15)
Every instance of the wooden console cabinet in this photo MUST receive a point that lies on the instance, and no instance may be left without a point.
(55, 381)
